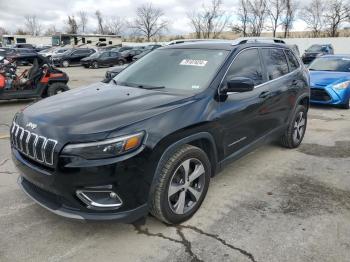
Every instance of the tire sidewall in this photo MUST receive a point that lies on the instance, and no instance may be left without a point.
(52, 89)
(65, 63)
(167, 212)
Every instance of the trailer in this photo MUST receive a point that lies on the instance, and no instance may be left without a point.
(76, 40)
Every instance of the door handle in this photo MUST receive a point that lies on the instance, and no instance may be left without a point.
(264, 94)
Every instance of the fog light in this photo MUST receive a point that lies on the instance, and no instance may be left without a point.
(99, 199)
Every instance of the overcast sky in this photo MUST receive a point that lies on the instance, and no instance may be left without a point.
(55, 12)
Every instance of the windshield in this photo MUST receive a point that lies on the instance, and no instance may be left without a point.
(178, 69)
(316, 48)
(336, 64)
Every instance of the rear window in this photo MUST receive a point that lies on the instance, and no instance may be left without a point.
(293, 61)
(275, 61)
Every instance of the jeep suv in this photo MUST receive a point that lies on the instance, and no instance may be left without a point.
(151, 139)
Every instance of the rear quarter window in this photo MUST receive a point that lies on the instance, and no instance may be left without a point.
(275, 62)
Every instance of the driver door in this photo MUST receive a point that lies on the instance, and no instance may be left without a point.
(242, 114)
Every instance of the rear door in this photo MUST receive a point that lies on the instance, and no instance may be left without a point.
(276, 104)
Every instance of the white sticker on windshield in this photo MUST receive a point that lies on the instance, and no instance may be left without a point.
(193, 62)
(195, 87)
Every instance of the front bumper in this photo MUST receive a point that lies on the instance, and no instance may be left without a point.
(56, 190)
(328, 96)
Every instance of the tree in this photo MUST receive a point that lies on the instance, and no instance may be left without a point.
(83, 20)
(149, 21)
(275, 12)
(288, 16)
(51, 30)
(72, 25)
(20, 31)
(3, 31)
(114, 25)
(257, 15)
(214, 19)
(243, 18)
(32, 25)
(196, 21)
(336, 13)
(313, 14)
(100, 28)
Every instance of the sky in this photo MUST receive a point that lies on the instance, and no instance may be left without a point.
(12, 12)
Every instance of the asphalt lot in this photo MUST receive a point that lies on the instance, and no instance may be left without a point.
(274, 204)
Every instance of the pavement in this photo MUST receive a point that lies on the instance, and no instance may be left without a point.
(274, 204)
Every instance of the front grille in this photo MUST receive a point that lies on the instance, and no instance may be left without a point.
(38, 148)
(319, 94)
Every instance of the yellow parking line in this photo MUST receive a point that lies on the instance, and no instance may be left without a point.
(3, 136)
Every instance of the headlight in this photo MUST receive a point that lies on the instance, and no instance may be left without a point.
(107, 148)
(342, 85)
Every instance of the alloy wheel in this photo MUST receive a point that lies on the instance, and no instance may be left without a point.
(186, 186)
(299, 127)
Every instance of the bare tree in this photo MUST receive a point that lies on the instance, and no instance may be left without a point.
(114, 25)
(336, 13)
(72, 25)
(257, 16)
(214, 19)
(100, 27)
(196, 21)
(51, 30)
(32, 25)
(275, 12)
(313, 14)
(243, 18)
(149, 21)
(289, 15)
(3, 31)
(83, 20)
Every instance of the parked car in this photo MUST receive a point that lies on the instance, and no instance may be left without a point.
(107, 58)
(146, 51)
(330, 80)
(122, 49)
(27, 46)
(151, 140)
(72, 56)
(316, 51)
(53, 51)
(23, 56)
(112, 72)
(129, 54)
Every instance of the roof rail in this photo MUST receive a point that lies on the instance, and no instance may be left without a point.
(244, 40)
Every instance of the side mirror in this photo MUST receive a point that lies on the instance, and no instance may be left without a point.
(239, 84)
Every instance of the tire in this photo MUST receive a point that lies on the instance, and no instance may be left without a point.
(95, 65)
(120, 62)
(85, 66)
(295, 132)
(346, 105)
(56, 88)
(165, 205)
(65, 63)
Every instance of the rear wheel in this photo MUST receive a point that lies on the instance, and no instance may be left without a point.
(65, 63)
(296, 128)
(95, 65)
(57, 88)
(181, 185)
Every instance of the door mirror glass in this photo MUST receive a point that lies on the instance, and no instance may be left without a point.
(239, 84)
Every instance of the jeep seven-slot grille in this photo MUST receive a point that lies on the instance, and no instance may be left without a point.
(32, 145)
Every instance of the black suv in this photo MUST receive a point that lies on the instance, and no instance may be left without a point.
(106, 58)
(71, 56)
(151, 139)
(315, 51)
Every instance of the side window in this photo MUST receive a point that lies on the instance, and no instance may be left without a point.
(293, 62)
(275, 61)
(247, 64)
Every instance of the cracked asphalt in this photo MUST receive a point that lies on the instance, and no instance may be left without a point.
(272, 205)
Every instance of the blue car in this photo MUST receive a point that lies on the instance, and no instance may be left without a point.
(330, 80)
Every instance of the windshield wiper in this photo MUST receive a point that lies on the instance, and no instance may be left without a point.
(150, 87)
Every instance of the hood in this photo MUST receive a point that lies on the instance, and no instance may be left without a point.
(325, 78)
(98, 108)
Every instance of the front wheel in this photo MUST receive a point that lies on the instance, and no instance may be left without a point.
(181, 185)
(347, 104)
(120, 62)
(57, 88)
(95, 65)
(65, 63)
(295, 132)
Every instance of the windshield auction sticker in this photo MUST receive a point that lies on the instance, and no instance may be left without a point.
(193, 62)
